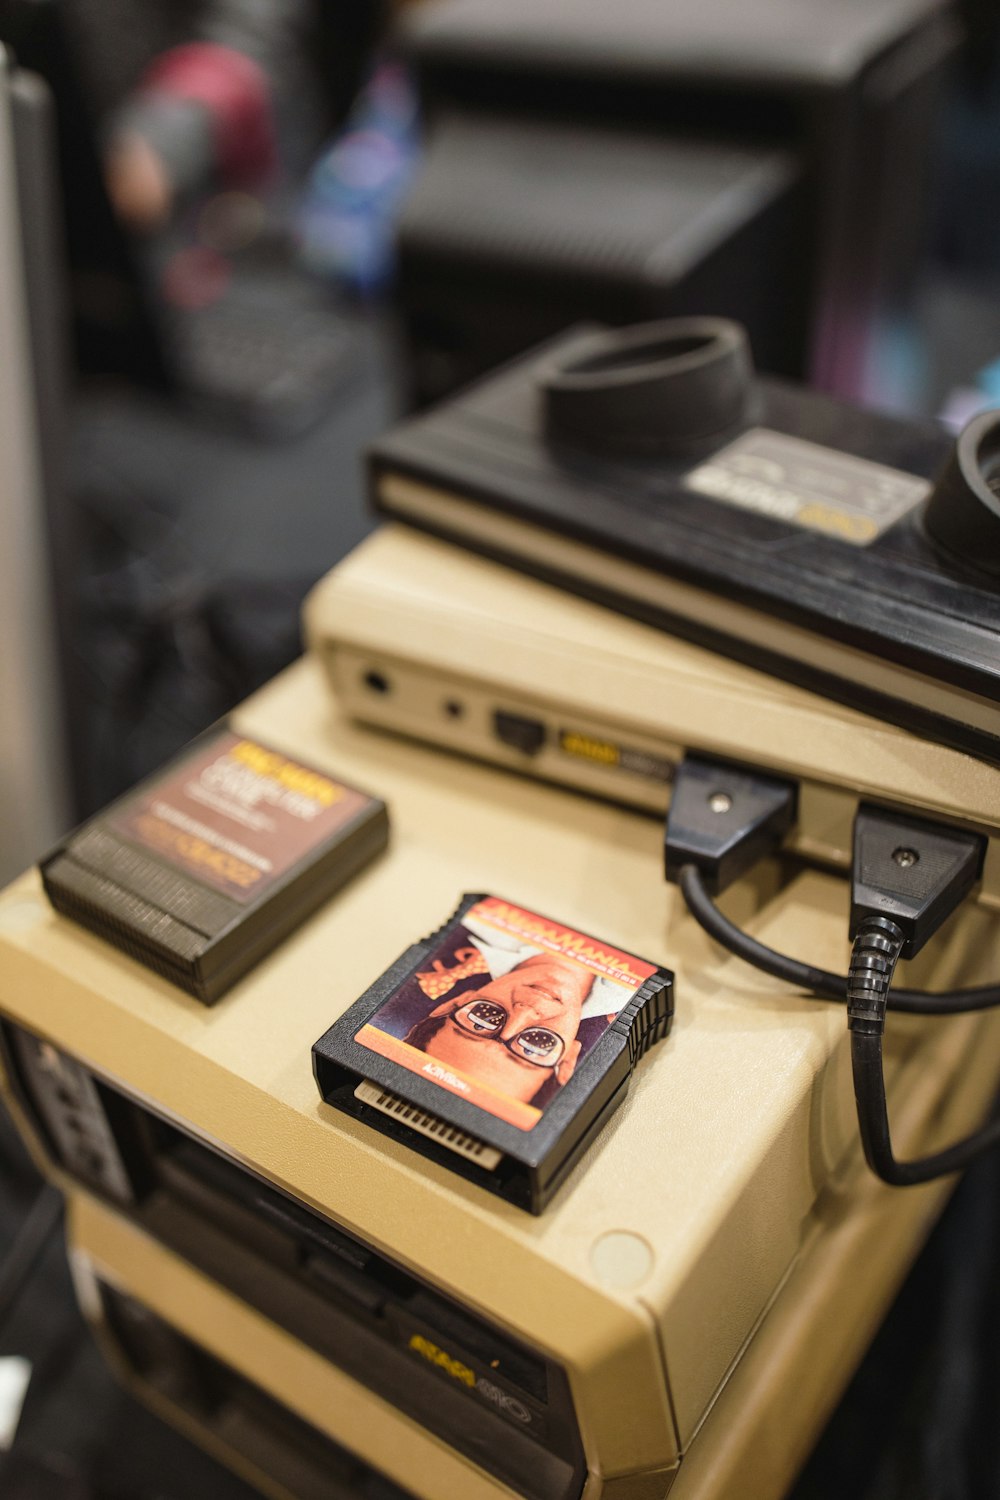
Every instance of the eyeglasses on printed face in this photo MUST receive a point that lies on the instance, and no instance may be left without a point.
(535, 1044)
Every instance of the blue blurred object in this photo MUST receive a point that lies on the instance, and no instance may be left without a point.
(896, 374)
(988, 381)
(967, 401)
(347, 218)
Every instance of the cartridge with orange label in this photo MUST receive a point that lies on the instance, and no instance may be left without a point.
(499, 1046)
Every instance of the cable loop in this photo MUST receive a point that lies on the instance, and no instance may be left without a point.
(820, 984)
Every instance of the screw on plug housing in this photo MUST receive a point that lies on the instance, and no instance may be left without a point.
(911, 871)
(723, 819)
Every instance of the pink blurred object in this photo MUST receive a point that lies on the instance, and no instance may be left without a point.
(235, 92)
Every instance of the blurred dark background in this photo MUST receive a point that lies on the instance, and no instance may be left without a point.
(277, 227)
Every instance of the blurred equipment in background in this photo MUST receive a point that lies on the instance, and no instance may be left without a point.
(765, 160)
(518, 229)
(114, 324)
(179, 544)
(255, 343)
(183, 139)
(347, 220)
(35, 679)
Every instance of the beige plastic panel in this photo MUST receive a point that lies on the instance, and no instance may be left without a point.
(87, 1274)
(103, 1244)
(756, 1434)
(668, 1245)
(445, 627)
(456, 515)
(790, 1378)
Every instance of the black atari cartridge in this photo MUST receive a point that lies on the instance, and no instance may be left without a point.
(208, 864)
(499, 1046)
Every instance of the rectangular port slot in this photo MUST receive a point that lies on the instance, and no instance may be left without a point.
(519, 732)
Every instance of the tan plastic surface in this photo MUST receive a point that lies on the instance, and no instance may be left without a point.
(87, 1272)
(102, 1242)
(662, 1254)
(442, 626)
(754, 1437)
(456, 515)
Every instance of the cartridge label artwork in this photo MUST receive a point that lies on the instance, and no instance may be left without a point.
(505, 1008)
(238, 815)
(804, 484)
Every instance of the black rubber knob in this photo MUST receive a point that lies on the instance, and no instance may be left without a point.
(963, 512)
(656, 388)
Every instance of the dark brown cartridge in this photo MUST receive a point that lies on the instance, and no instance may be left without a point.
(208, 864)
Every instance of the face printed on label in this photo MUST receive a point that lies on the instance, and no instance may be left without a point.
(516, 1030)
(504, 1009)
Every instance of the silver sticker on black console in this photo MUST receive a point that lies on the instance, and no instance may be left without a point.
(805, 484)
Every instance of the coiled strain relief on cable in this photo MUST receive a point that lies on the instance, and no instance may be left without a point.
(876, 951)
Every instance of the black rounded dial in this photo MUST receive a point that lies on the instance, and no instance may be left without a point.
(963, 512)
(656, 388)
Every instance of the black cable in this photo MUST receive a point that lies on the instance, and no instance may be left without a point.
(873, 1122)
(873, 962)
(866, 991)
(908, 875)
(822, 983)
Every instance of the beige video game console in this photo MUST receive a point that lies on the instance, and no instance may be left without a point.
(683, 1315)
(423, 639)
(188, 1378)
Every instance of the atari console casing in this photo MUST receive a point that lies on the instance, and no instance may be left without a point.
(426, 640)
(845, 549)
(682, 1314)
